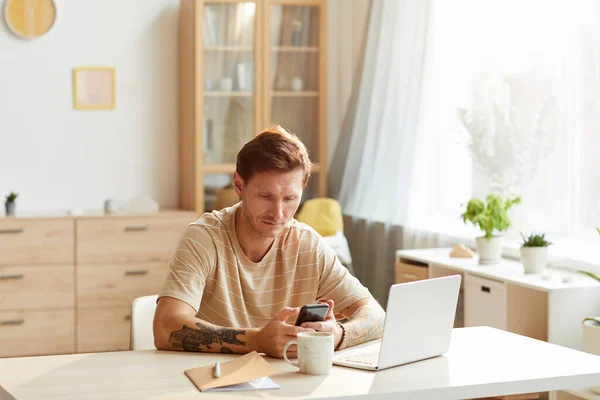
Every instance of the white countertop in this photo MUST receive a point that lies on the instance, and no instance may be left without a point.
(507, 270)
(481, 362)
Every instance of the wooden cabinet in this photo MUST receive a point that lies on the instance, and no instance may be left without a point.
(243, 66)
(485, 303)
(103, 329)
(128, 239)
(67, 284)
(29, 333)
(410, 271)
(109, 285)
(36, 241)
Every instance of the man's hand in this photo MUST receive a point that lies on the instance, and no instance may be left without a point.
(271, 338)
(328, 325)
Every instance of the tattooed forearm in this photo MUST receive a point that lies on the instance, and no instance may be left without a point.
(208, 339)
(364, 325)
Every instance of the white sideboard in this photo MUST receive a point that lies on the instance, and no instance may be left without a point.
(549, 306)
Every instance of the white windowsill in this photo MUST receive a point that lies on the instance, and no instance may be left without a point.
(570, 253)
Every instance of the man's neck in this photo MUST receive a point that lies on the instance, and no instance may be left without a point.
(254, 246)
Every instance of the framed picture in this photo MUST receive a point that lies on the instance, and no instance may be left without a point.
(94, 88)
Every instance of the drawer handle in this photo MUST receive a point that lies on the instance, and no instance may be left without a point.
(485, 289)
(136, 228)
(128, 318)
(409, 276)
(13, 231)
(137, 272)
(12, 276)
(12, 322)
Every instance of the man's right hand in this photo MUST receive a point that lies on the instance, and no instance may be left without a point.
(271, 338)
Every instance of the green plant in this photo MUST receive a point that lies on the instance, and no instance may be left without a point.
(11, 197)
(491, 216)
(534, 240)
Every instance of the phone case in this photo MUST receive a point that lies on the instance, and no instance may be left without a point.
(312, 313)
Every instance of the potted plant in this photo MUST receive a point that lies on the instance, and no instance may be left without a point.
(10, 203)
(534, 253)
(491, 216)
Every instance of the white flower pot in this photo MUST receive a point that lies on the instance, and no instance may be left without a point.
(490, 250)
(591, 342)
(534, 259)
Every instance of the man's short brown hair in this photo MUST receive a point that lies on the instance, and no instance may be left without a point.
(274, 149)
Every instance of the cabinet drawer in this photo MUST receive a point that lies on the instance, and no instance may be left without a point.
(118, 285)
(35, 241)
(103, 329)
(30, 333)
(485, 302)
(36, 287)
(128, 239)
(409, 271)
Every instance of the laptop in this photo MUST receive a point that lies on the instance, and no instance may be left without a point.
(418, 325)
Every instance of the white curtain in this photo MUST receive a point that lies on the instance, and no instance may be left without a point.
(382, 139)
(371, 170)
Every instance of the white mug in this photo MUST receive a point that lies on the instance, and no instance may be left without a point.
(297, 84)
(315, 352)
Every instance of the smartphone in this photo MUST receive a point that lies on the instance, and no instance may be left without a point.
(312, 313)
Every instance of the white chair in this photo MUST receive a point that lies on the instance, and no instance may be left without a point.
(142, 315)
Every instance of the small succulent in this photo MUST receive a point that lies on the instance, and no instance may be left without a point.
(535, 240)
(11, 197)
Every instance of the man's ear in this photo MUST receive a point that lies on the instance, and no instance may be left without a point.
(238, 185)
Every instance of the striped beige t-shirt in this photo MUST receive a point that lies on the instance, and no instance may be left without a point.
(210, 272)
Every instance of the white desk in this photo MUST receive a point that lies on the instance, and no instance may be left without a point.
(481, 362)
(526, 304)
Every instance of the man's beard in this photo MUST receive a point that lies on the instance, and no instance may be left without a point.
(253, 229)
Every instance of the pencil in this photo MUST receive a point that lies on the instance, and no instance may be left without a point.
(217, 371)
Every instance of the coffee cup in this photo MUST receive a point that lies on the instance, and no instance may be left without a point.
(315, 352)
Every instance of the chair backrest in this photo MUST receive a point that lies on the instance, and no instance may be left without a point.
(142, 315)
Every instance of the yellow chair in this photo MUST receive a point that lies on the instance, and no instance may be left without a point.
(322, 214)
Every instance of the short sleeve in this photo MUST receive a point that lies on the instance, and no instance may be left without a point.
(191, 265)
(335, 282)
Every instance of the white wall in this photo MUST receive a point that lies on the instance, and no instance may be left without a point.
(59, 158)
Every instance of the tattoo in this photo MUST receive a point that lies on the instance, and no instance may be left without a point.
(206, 339)
(364, 325)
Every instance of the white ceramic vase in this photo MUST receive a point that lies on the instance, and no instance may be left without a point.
(534, 259)
(490, 250)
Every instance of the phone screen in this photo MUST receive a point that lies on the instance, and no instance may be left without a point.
(312, 313)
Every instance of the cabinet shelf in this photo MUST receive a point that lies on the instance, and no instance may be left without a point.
(295, 94)
(230, 168)
(228, 94)
(296, 49)
(228, 48)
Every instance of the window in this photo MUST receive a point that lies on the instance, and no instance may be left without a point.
(539, 62)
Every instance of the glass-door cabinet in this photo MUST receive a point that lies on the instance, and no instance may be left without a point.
(295, 78)
(243, 66)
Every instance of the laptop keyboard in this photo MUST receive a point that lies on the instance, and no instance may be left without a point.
(370, 358)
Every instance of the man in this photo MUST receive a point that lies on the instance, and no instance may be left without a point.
(240, 275)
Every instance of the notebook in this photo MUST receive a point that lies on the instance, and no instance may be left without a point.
(247, 372)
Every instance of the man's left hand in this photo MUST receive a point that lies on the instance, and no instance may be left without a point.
(328, 325)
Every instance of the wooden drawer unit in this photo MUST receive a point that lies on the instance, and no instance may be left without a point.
(485, 302)
(410, 271)
(118, 284)
(28, 333)
(128, 239)
(36, 241)
(36, 287)
(103, 329)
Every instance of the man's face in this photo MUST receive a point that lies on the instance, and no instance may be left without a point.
(270, 200)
